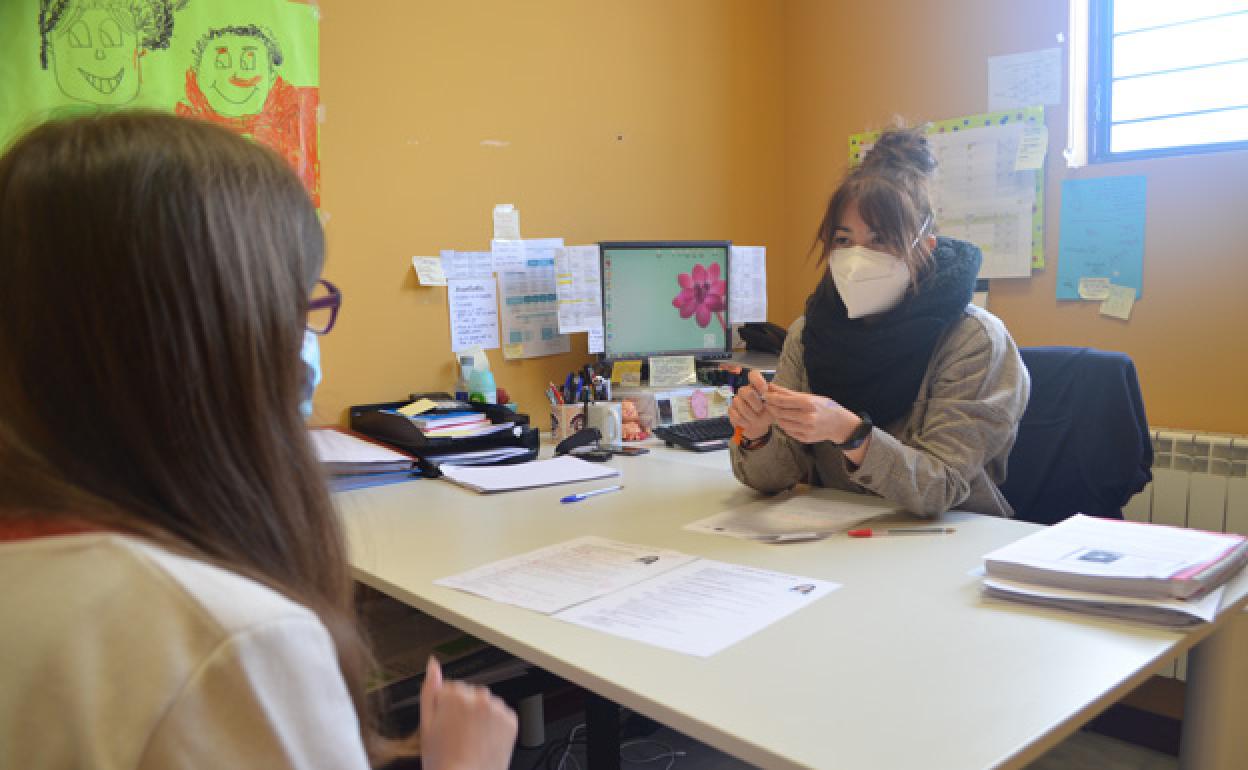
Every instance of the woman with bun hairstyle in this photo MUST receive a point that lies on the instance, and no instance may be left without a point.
(175, 585)
(892, 383)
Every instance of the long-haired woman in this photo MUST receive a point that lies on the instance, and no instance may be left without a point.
(175, 587)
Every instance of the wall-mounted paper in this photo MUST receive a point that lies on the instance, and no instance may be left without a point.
(1033, 147)
(467, 264)
(1102, 233)
(981, 198)
(429, 271)
(596, 341)
(747, 284)
(506, 222)
(529, 303)
(578, 286)
(980, 157)
(507, 254)
(473, 307)
(1024, 79)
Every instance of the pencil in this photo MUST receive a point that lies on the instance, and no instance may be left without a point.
(901, 531)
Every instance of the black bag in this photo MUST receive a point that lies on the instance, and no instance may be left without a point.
(378, 421)
(764, 337)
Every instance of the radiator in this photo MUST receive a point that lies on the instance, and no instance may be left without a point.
(1200, 480)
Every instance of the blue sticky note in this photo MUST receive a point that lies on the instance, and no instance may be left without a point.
(1102, 233)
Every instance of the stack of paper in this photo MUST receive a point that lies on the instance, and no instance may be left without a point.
(434, 424)
(353, 462)
(1162, 574)
(543, 473)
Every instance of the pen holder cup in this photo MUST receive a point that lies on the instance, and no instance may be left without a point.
(566, 419)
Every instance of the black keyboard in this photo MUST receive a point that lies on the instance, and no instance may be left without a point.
(699, 435)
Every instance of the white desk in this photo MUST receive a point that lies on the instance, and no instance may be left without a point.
(904, 667)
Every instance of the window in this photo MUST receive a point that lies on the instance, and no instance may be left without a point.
(1164, 77)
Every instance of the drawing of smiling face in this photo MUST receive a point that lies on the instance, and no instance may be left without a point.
(235, 75)
(95, 55)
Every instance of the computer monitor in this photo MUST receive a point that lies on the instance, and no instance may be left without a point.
(664, 298)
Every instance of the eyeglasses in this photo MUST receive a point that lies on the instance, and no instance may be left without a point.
(323, 307)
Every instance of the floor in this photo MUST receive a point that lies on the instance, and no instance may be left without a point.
(669, 750)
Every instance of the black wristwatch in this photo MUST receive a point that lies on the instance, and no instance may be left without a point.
(859, 435)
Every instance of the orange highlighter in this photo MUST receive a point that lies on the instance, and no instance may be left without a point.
(738, 433)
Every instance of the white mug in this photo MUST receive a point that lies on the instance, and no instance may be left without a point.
(607, 417)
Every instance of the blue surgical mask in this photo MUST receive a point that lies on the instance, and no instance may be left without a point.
(311, 355)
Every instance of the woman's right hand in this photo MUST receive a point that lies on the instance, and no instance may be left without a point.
(749, 407)
(463, 726)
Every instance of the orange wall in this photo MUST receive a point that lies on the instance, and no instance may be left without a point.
(644, 119)
(710, 119)
(851, 66)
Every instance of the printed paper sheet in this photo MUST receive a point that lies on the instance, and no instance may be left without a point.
(528, 300)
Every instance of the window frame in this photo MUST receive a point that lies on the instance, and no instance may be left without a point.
(1099, 108)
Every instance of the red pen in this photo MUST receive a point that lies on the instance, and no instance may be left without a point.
(901, 531)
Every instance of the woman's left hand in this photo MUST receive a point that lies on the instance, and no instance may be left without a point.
(809, 418)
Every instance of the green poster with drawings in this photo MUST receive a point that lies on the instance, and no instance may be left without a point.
(250, 65)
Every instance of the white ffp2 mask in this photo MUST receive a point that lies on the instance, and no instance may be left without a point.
(868, 281)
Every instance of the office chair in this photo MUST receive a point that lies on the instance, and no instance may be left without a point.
(1083, 444)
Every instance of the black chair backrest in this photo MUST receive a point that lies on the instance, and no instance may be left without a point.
(1083, 444)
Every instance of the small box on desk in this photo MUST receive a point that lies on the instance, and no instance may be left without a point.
(380, 421)
(665, 406)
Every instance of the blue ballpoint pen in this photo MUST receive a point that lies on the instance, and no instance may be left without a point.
(579, 496)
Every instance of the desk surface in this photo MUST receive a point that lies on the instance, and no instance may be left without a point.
(905, 666)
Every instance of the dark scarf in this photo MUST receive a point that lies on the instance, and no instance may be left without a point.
(876, 365)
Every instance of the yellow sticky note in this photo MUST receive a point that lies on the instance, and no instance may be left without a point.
(672, 371)
(1031, 149)
(627, 373)
(417, 407)
(1093, 288)
(1119, 302)
(513, 350)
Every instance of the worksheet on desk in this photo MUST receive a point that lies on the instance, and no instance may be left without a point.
(652, 595)
(699, 608)
(805, 513)
(559, 576)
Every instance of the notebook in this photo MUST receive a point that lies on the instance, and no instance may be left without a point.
(1127, 558)
(541, 473)
(344, 454)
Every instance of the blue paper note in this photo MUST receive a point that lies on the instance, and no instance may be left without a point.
(1102, 233)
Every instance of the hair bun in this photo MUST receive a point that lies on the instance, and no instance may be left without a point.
(900, 150)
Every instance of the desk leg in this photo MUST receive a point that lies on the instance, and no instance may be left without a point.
(1216, 708)
(602, 733)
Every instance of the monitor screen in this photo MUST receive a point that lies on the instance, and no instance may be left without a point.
(665, 298)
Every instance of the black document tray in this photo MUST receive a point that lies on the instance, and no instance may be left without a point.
(398, 431)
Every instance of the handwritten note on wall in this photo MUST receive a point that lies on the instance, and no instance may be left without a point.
(1024, 79)
(1102, 234)
(473, 306)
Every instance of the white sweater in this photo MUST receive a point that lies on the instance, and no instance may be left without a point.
(116, 654)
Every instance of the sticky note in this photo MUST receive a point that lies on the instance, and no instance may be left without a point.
(513, 350)
(1119, 302)
(1093, 288)
(429, 271)
(417, 407)
(506, 222)
(627, 373)
(1032, 148)
(672, 371)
